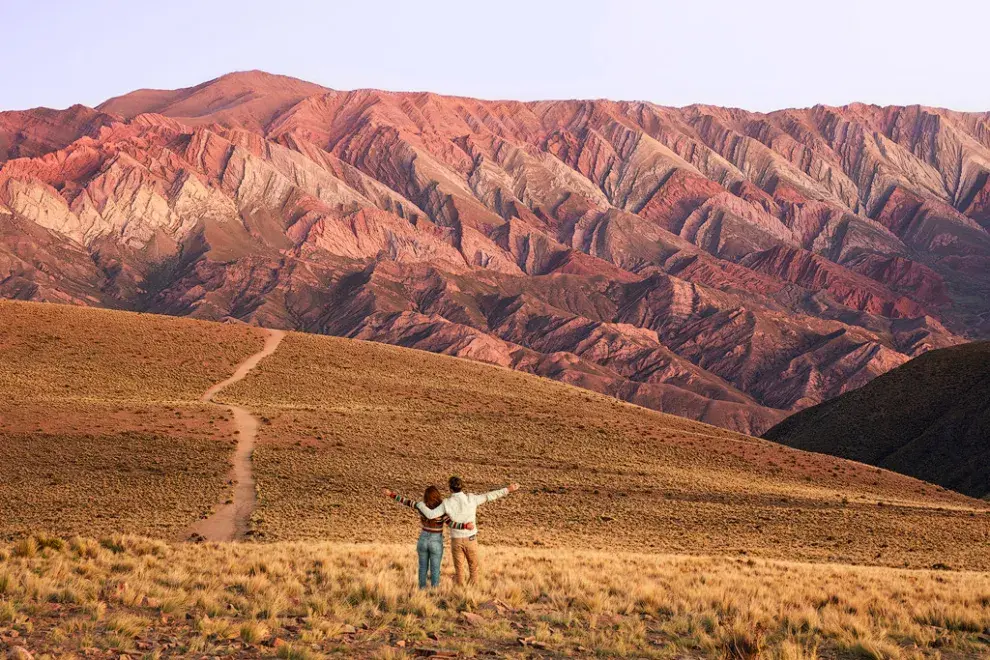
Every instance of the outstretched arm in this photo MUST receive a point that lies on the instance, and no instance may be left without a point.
(405, 501)
(430, 513)
(495, 494)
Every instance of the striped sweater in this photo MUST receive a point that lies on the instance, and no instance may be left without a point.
(434, 525)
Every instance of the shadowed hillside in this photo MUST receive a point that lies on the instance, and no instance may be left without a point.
(929, 418)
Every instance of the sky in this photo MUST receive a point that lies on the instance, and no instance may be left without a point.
(756, 54)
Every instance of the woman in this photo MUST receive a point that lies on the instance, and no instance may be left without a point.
(430, 544)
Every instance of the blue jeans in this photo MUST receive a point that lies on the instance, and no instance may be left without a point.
(430, 549)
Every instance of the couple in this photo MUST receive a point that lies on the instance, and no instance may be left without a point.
(458, 511)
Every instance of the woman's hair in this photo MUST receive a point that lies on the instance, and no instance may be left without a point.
(432, 497)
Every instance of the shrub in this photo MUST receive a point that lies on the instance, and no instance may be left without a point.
(26, 547)
(253, 632)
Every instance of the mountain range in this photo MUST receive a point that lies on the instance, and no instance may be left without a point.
(724, 265)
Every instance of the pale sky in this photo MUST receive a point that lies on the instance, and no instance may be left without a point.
(756, 54)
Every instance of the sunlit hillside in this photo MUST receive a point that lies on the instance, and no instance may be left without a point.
(635, 533)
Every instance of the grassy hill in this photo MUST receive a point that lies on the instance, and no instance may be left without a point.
(928, 418)
(103, 435)
(101, 430)
(342, 418)
(101, 421)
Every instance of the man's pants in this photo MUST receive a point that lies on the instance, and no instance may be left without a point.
(465, 553)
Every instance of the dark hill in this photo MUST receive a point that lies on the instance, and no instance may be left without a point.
(929, 418)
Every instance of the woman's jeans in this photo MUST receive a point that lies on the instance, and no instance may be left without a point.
(430, 549)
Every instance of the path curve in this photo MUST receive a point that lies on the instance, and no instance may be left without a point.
(231, 519)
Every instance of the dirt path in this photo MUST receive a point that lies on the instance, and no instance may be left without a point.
(230, 521)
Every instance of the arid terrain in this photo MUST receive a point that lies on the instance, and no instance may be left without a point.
(928, 418)
(723, 265)
(147, 599)
(101, 428)
(342, 418)
(635, 532)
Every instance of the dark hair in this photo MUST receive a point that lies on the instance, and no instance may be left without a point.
(456, 484)
(432, 497)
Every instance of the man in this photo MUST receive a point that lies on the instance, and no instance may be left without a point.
(462, 508)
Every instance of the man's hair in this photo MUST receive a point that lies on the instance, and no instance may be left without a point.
(456, 484)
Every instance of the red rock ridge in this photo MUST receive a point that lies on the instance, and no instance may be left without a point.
(720, 264)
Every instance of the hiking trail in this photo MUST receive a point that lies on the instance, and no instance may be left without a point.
(231, 519)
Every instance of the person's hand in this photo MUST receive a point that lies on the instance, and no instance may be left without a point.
(469, 526)
(513, 488)
(387, 493)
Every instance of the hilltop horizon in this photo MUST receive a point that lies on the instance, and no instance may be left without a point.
(455, 95)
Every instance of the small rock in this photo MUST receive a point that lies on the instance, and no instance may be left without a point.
(401, 643)
(496, 606)
(21, 653)
(472, 618)
(279, 642)
(348, 629)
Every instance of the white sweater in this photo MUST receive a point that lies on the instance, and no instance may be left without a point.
(462, 508)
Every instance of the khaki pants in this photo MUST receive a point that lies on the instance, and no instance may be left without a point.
(465, 553)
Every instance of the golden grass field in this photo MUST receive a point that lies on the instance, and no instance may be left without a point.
(101, 430)
(84, 598)
(634, 534)
(57, 352)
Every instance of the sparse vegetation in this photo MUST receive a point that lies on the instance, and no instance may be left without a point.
(346, 417)
(339, 419)
(310, 600)
(62, 352)
(101, 429)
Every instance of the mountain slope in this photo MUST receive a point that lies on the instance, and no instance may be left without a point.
(723, 265)
(927, 418)
(102, 430)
